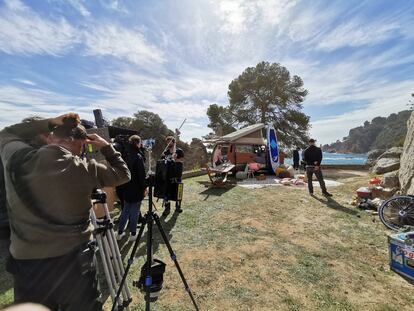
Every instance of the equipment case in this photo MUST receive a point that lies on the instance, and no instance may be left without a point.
(401, 248)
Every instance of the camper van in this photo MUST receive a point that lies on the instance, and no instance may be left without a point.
(244, 146)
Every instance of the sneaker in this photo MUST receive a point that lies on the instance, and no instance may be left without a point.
(132, 237)
(310, 192)
(327, 194)
(119, 235)
(178, 210)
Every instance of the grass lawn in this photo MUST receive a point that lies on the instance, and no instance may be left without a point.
(274, 248)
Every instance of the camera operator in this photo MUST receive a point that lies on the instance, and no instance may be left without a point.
(172, 153)
(48, 194)
(134, 191)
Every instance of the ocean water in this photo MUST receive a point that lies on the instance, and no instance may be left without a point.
(340, 158)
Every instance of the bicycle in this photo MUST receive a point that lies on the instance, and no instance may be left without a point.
(397, 212)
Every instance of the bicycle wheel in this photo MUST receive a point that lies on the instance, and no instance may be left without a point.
(397, 212)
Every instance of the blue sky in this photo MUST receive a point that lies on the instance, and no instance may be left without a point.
(175, 58)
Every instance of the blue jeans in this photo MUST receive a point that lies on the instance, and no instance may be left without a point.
(130, 211)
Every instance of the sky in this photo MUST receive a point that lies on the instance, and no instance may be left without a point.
(175, 58)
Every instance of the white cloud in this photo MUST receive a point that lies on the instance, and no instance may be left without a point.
(114, 40)
(27, 82)
(358, 33)
(80, 7)
(237, 16)
(17, 103)
(24, 32)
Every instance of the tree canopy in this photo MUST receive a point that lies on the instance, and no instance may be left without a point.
(148, 125)
(266, 94)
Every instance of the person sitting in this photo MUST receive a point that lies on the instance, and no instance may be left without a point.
(218, 156)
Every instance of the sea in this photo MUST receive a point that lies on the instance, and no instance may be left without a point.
(340, 158)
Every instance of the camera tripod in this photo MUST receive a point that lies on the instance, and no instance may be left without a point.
(149, 218)
(109, 250)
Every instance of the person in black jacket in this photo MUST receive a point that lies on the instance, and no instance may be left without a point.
(296, 158)
(313, 159)
(134, 191)
(176, 155)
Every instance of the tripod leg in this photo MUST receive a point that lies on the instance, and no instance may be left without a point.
(130, 261)
(174, 258)
(103, 254)
(117, 265)
(117, 259)
(110, 263)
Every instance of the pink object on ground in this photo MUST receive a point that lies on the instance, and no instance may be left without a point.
(254, 166)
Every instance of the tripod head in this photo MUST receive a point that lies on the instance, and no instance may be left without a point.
(98, 196)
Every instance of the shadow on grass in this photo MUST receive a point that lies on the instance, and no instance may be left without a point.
(331, 203)
(216, 191)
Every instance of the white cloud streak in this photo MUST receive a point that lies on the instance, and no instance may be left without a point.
(114, 40)
(24, 32)
(80, 7)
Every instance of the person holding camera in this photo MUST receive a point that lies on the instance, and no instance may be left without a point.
(134, 191)
(49, 200)
(172, 153)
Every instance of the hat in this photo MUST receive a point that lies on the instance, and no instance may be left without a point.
(312, 140)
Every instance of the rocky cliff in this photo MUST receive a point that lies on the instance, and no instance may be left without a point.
(406, 172)
(381, 133)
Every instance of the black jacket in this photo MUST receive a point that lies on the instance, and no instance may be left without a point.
(133, 191)
(296, 156)
(313, 154)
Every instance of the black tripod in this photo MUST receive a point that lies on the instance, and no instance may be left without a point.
(149, 218)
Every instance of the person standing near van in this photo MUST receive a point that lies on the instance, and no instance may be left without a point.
(296, 158)
(313, 159)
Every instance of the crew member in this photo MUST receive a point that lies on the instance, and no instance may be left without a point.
(313, 159)
(134, 190)
(296, 158)
(172, 153)
(49, 199)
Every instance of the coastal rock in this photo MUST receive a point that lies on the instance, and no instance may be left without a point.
(386, 165)
(390, 180)
(373, 155)
(394, 152)
(406, 174)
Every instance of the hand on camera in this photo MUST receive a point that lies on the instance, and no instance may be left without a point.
(97, 141)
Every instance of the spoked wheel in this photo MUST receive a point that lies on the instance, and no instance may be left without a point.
(397, 212)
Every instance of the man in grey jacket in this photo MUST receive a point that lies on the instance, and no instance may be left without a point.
(48, 194)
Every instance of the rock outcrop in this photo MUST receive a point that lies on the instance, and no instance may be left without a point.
(394, 152)
(386, 165)
(390, 180)
(373, 155)
(406, 173)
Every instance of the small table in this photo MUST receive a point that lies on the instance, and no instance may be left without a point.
(223, 170)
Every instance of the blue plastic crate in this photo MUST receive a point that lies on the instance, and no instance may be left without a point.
(402, 254)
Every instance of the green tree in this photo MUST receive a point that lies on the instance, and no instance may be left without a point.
(148, 125)
(264, 94)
